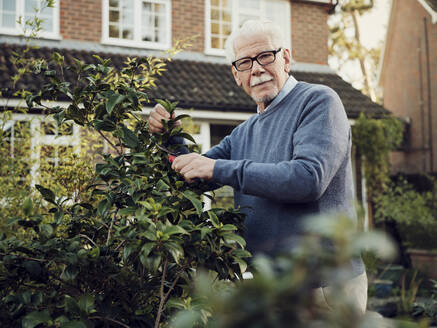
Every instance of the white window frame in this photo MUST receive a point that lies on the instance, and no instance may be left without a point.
(235, 12)
(136, 42)
(18, 29)
(39, 140)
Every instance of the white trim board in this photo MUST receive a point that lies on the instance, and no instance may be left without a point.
(429, 10)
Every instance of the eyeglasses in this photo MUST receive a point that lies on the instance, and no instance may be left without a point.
(263, 58)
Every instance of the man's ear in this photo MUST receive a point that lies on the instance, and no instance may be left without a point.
(287, 60)
(236, 77)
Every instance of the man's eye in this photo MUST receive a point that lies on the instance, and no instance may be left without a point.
(265, 57)
(244, 63)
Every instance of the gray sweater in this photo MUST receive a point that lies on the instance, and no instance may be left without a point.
(290, 162)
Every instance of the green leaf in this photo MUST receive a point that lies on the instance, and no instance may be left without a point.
(228, 227)
(241, 253)
(71, 305)
(70, 273)
(186, 136)
(86, 303)
(174, 229)
(113, 101)
(164, 211)
(35, 318)
(204, 231)
(94, 252)
(214, 219)
(127, 251)
(241, 263)
(193, 198)
(175, 250)
(129, 138)
(162, 186)
(47, 194)
(103, 207)
(27, 206)
(146, 249)
(127, 211)
(46, 229)
(232, 237)
(104, 125)
(180, 117)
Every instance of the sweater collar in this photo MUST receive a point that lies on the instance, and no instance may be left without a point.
(288, 86)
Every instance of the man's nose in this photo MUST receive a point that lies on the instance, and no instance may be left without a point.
(257, 68)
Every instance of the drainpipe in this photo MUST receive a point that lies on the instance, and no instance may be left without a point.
(428, 82)
(421, 105)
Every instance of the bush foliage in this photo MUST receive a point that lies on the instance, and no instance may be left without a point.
(126, 249)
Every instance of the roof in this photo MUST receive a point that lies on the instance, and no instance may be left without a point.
(199, 85)
(432, 4)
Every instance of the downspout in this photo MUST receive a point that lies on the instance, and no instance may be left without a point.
(428, 81)
(421, 105)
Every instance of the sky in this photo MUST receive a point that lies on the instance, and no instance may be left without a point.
(373, 26)
(374, 23)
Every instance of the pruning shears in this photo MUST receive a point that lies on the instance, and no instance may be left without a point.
(171, 155)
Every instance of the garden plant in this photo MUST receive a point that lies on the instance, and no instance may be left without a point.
(123, 255)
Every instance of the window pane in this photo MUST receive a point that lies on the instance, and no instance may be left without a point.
(113, 3)
(30, 6)
(66, 129)
(8, 20)
(47, 11)
(215, 28)
(22, 129)
(128, 33)
(8, 5)
(47, 24)
(226, 16)
(48, 128)
(215, 14)
(114, 16)
(215, 43)
(48, 152)
(250, 4)
(227, 29)
(215, 2)
(114, 31)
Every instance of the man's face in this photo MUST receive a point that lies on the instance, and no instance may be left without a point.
(262, 83)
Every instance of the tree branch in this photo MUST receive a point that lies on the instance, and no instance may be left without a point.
(161, 294)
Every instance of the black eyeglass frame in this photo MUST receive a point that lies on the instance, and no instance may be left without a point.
(234, 63)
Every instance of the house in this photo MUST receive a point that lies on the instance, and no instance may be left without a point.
(198, 78)
(408, 76)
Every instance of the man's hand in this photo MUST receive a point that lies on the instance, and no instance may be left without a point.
(157, 114)
(193, 166)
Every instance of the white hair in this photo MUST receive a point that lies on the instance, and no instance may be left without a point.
(251, 27)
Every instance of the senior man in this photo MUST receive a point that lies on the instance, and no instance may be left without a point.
(290, 160)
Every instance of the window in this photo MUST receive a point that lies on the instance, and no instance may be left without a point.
(222, 16)
(13, 11)
(137, 23)
(33, 139)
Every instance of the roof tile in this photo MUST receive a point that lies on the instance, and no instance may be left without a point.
(200, 85)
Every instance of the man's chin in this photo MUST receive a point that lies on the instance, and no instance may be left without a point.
(265, 99)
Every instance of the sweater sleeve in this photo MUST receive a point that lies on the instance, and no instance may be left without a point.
(320, 146)
(220, 151)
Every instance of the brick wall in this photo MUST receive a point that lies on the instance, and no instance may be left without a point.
(309, 33)
(401, 81)
(188, 19)
(81, 19)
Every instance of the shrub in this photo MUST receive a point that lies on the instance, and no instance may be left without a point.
(132, 242)
(414, 214)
